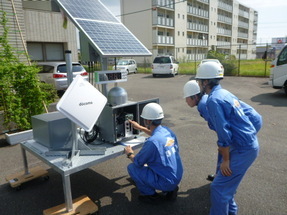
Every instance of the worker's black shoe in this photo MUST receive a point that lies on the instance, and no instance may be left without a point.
(151, 199)
(171, 195)
(210, 177)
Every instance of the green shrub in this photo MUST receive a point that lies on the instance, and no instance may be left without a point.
(21, 93)
(228, 62)
(229, 68)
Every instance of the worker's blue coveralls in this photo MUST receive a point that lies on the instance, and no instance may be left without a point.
(253, 115)
(202, 109)
(235, 130)
(163, 170)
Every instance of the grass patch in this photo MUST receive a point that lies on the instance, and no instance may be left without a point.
(258, 68)
(246, 68)
(254, 68)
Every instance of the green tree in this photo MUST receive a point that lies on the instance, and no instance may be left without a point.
(21, 94)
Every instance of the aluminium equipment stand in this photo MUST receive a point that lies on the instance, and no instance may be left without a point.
(81, 205)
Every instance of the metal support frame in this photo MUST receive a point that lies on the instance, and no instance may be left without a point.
(83, 162)
(67, 192)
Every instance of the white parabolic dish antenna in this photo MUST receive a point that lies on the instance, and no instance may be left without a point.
(82, 103)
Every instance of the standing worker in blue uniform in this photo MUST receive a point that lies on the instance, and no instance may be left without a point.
(158, 165)
(194, 97)
(237, 138)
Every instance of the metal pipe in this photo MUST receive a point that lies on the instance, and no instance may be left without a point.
(68, 54)
(25, 161)
(67, 192)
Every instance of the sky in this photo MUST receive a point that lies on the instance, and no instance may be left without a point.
(272, 17)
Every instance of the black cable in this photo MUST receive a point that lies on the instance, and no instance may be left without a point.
(89, 137)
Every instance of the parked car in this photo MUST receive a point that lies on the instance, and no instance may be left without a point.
(278, 73)
(211, 60)
(55, 73)
(128, 65)
(164, 65)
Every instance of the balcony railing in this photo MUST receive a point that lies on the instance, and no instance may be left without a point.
(197, 11)
(204, 1)
(243, 35)
(225, 6)
(197, 27)
(196, 42)
(224, 31)
(165, 21)
(243, 24)
(243, 46)
(197, 57)
(164, 3)
(243, 13)
(225, 19)
(223, 44)
(164, 40)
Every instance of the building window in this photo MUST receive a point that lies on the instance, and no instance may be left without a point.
(35, 51)
(183, 33)
(178, 15)
(46, 51)
(178, 33)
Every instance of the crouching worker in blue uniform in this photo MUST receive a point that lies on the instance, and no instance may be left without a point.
(158, 165)
(236, 125)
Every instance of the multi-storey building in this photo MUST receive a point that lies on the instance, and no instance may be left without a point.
(187, 29)
(37, 27)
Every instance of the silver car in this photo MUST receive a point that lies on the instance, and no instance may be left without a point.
(128, 65)
(55, 73)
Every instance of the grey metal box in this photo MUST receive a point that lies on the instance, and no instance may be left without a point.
(112, 129)
(52, 130)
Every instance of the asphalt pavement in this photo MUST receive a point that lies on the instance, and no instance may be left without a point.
(262, 191)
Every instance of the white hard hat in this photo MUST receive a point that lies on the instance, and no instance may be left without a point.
(152, 111)
(209, 70)
(191, 88)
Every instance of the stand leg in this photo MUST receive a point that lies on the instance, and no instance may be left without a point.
(82, 205)
(17, 179)
(67, 192)
(25, 161)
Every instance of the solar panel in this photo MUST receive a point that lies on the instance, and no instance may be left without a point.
(104, 31)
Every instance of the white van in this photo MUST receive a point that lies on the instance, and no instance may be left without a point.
(164, 65)
(278, 73)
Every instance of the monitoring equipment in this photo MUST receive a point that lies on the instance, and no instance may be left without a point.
(82, 103)
(52, 130)
(114, 125)
(113, 76)
(105, 118)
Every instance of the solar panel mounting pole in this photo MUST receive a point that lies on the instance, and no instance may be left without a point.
(104, 68)
(74, 127)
